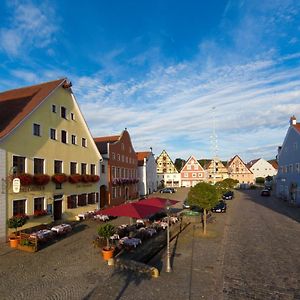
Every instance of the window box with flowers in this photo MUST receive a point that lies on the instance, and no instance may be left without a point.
(94, 178)
(85, 178)
(41, 179)
(59, 178)
(40, 213)
(25, 179)
(75, 178)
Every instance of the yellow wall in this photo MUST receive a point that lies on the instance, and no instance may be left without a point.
(22, 142)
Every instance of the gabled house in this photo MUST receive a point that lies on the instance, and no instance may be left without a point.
(215, 170)
(46, 144)
(288, 157)
(192, 173)
(238, 170)
(261, 168)
(167, 174)
(147, 173)
(119, 182)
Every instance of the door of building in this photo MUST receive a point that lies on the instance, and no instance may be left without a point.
(57, 210)
(103, 196)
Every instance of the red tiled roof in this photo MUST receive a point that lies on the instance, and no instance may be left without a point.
(107, 139)
(274, 163)
(17, 104)
(297, 127)
(141, 156)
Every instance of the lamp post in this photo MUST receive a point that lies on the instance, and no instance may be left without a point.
(168, 265)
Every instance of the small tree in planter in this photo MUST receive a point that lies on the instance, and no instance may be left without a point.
(16, 222)
(106, 231)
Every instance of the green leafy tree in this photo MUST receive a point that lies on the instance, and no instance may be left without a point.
(205, 196)
(226, 185)
(260, 180)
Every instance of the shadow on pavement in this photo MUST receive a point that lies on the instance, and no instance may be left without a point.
(273, 203)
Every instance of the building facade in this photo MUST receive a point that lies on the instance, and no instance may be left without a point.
(261, 168)
(120, 161)
(45, 142)
(288, 157)
(147, 173)
(215, 170)
(238, 170)
(167, 174)
(192, 173)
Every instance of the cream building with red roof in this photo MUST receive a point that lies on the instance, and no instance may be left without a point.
(43, 136)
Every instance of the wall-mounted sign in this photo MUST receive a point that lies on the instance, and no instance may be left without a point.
(16, 185)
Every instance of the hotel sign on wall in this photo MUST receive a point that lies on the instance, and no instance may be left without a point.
(16, 185)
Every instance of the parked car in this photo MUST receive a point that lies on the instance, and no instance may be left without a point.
(166, 190)
(228, 195)
(265, 193)
(220, 207)
(173, 190)
(185, 204)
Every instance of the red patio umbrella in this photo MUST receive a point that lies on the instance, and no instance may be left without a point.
(133, 210)
(158, 202)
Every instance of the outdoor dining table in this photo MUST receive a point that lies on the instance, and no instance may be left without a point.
(126, 241)
(43, 234)
(150, 231)
(163, 225)
(62, 228)
(115, 237)
(101, 217)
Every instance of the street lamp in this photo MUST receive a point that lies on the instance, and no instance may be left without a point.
(168, 265)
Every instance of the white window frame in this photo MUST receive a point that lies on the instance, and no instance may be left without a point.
(75, 139)
(26, 205)
(44, 202)
(67, 136)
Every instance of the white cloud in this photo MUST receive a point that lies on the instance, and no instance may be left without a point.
(30, 27)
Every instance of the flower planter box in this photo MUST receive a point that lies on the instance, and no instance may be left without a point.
(27, 248)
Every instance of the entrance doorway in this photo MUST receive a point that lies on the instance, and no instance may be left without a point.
(57, 210)
(103, 196)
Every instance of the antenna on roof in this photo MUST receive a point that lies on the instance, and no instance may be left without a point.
(214, 142)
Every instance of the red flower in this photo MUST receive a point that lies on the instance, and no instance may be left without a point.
(25, 179)
(41, 179)
(95, 178)
(75, 178)
(59, 178)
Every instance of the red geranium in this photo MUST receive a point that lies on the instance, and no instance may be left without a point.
(25, 179)
(59, 178)
(41, 179)
(75, 178)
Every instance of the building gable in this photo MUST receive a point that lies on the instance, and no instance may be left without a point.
(165, 164)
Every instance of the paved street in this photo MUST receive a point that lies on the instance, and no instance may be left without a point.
(251, 252)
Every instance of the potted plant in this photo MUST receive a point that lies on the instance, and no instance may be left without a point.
(16, 222)
(27, 245)
(41, 179)
(39, 213)
(106, 231)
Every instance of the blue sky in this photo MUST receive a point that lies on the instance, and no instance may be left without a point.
(159, 67)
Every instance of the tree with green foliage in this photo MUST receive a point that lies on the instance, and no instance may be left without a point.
(205, 196)
(106, 231)
(226, 185)
(260, 180)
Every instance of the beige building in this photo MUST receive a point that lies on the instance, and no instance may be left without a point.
(238, 170)
(167, 174)
(215, 170)
(46, 143)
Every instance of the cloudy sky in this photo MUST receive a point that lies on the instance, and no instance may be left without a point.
(165, 69)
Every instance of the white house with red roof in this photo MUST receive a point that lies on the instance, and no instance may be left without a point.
(288, 157)
(147, 173)
(261, 168)
(192, 173)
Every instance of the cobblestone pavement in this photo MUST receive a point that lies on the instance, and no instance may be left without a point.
(251, 252)
(262, 246)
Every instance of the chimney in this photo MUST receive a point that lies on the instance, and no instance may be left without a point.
(293, 120)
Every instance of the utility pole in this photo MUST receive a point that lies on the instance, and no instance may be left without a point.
(214, 142)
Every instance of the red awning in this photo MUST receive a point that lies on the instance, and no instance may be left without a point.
(132, 210)
(158, 202)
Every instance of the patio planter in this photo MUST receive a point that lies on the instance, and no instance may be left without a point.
(108, 253)
(14, 242)
(27, 248)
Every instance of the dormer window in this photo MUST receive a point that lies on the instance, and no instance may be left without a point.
(63, 112)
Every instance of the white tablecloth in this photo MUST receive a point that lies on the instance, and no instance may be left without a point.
(101, 217)
(62, 228)
(130, 241)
